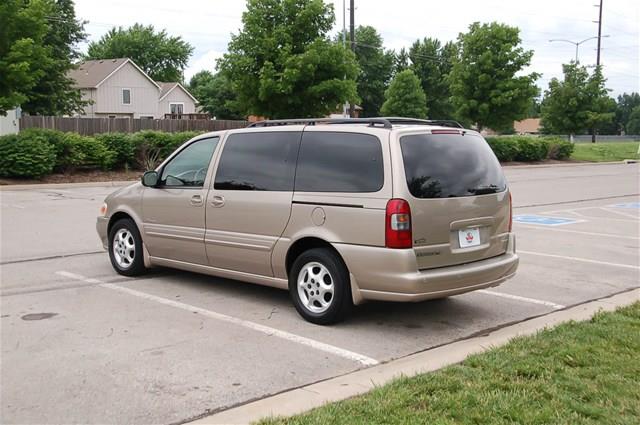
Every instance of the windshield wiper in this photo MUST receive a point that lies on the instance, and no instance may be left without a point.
(483, 190)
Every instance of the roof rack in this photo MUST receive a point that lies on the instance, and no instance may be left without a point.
(384, 122)
(416, 121)
(313, 121)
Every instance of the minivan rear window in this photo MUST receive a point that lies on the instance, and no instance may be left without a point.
(450, 165)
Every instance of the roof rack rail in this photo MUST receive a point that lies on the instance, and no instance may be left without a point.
(416, 121)
(313, 121)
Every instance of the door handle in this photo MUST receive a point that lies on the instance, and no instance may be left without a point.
(217, 201)
(196, 200)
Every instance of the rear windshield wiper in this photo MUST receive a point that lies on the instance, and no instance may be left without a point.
(483, 190)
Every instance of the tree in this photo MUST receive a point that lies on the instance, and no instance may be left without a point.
(215, 95)
(404, 97)
(376, 69)
(282, 63)
(55, 94)
(485, 87)
(626, 104)
(37, 40)
(161, 56)
(432, 63)
(401, 61)
(632, 125)
(578, 103)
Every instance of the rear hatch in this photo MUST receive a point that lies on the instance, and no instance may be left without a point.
(460, 206)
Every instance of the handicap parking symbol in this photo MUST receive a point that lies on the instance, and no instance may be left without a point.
(543, 220)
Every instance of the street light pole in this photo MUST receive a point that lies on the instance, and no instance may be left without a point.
(576, 43)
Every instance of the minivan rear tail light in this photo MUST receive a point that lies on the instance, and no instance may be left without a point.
(398, 224)
(510, 212)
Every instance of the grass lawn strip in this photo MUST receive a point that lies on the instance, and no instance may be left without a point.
(577, 373)
(609, 151)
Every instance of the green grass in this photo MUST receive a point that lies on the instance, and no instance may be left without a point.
(609, 151)
(577, 373)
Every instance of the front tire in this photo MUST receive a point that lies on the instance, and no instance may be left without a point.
(319, 287)
(125, 248)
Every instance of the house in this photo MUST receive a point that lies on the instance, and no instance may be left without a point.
(118, 88)
(527, 126)
(10, 123)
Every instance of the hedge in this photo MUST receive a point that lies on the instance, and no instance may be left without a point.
(34, 153)
(529, 149)
(31, 157)
(37, 152)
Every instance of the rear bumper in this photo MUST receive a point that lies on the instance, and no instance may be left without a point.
(391, 275)
(102, 223)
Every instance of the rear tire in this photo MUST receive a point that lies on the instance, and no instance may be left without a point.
(125, 248)
(319, 286)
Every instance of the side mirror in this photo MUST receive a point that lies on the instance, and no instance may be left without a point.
(150, 179)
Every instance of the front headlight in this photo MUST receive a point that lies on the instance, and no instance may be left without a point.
(103, 210)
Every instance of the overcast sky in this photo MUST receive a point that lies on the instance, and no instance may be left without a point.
(207, 25)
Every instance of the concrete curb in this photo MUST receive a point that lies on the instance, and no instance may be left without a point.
(342, 387)
(11, 187)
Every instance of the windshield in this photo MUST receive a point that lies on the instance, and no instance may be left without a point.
(450, 165)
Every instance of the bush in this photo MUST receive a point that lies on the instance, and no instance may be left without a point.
(75, 151)
(31, 157)
(504, 148)
(530, 149)
(559, 148)
(122, 145)
(152, 147)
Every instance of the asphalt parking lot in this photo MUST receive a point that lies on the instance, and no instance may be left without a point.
(81, 344)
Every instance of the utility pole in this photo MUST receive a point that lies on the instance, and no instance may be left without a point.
(593, 131)
(352, 36)
(599, 34)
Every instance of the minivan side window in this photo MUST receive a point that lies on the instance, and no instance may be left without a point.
(258, 161)
(189, 167)
(339, 162)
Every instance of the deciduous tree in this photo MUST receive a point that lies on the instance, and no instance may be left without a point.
(404, 97)
(282, 63)
(37, 46)
(162, 56)
(625, 106)
(577, 103)
(633, 123)
(55, 94)
(487, 84)
(215, 95)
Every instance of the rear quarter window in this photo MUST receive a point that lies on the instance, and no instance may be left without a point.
(450, 165)
(339, 162)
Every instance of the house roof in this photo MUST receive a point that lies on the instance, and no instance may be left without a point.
(166, 88)
(529, 125)
(91, 73)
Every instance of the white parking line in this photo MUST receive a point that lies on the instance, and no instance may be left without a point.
(583, 260)
(622, 213)
(519, 298)
(350, 355)
(555, 229)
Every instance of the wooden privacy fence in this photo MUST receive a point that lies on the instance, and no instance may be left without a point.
(91, 126)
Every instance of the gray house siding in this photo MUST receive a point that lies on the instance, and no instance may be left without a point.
(177, 95)
(144, 94)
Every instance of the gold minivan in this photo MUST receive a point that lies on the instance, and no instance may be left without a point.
(335, 211)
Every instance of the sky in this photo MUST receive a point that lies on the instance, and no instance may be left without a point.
(208, 25)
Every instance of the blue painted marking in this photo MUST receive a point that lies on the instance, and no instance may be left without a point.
(627, 205)
(543, 220)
